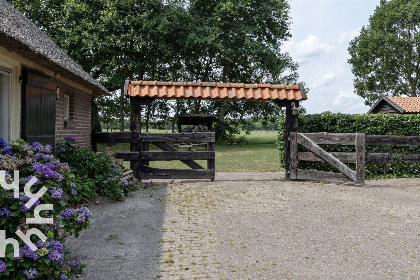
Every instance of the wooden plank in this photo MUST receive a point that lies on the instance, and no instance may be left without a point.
(115, 137)
(128, 156)
(387, 157)
(392, 140)
(341, 156)
(315, 175)
(167, 147)
(307, 143)
(211, 163)
(164, 173)
(293, 155)
(360, 158)
(176, 155)
(201, 137)
(323, 138)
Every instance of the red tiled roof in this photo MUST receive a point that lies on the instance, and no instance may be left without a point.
(215, 91)
(409, 104)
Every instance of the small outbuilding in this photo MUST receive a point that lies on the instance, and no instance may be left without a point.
(396, 105)
(45, 95)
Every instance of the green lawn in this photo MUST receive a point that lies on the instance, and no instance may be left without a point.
(260, 154)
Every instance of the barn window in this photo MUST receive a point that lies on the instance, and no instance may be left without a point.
(5, 93)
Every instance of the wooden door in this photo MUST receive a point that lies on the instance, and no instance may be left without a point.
(38, 109)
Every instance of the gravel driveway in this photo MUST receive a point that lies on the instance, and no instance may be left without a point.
(258, 226)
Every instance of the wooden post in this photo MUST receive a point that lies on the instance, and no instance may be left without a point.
(135, 125)
(291, 126)
(360, 158)
(293, 155)
(211, 163)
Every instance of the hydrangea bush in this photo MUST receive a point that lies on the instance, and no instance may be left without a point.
(48, 260)
(95, 174)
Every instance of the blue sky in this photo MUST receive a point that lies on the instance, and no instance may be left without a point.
(321, 32)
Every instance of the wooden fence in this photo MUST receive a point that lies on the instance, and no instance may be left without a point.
(141, 156)
(311, 141)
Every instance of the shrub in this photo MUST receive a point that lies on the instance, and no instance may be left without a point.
(376, 124)
(36, 164)
(95, 174)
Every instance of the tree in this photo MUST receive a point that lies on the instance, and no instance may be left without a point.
(385, 57)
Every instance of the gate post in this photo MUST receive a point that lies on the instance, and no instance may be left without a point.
(360, 158)
(291, 126)
(135, 126)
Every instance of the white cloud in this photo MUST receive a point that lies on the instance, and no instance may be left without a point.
(308, 49)
(346, 37)
(326, 80)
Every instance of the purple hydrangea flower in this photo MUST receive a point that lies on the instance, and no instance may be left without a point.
(47, 149)
(80, 219)
(3, 265)
(23, 208)
(73, 185)
(56, 246)
(8, 151)
(29, 253)
(74, 192)
(85, 212)
(39, 156)
(31, 273)
(41, 244)
(56, 256)
(74, 263)
(20, 255)
(3, 143)
(5, 212)
(72, 139)
(36, 147)
(56, 194)
(67, 213)
(62, 150)
(63, 276)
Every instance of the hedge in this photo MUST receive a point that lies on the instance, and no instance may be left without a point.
(376, 124)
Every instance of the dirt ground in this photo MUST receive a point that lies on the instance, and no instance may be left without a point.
(256, 226)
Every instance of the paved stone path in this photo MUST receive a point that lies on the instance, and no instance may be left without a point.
(267, 228)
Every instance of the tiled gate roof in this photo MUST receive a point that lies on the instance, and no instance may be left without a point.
(215, 91)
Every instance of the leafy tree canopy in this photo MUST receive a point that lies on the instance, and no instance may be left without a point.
(385, 57)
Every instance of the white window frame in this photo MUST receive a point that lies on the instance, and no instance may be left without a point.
(5, 106)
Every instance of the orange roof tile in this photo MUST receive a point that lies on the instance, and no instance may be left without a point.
(215, 91)
(409, 104)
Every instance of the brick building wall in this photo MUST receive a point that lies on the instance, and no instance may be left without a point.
(79, 122)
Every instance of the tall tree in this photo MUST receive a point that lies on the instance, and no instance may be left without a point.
(385, 57)
(239, 41)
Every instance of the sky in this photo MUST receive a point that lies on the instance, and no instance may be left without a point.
(321, 32)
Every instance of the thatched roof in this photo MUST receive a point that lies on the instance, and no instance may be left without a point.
(20, 35)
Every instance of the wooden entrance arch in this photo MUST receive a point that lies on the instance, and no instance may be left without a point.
(142, 93)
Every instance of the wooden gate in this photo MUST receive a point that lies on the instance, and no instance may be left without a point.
(311, 141)
(141, 156)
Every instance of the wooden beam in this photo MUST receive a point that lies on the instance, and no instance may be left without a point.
(360, 158)
(116, 137)
(341, 156)
(391, 140)
(315, 175)
(387, 157)
(176, 155)
(135, 126)
(147, 172)
(293, 155)
(202, 137)
(291, 126)
(324, 138)
(309, 144)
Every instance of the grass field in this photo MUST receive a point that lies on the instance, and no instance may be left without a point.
(259, 154)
